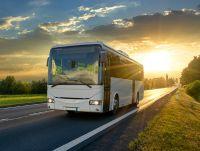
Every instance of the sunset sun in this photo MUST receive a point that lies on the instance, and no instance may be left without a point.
(76, 74)
(157, 61)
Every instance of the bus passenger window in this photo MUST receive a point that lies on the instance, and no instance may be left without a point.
(73, 64)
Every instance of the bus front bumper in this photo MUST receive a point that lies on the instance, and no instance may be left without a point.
(82, 105)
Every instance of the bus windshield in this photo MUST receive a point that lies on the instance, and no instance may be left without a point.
(74, 65)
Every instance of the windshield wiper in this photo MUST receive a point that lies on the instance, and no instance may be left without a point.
(63, 83)
(58, 84)
(76, 80)
(89, 86)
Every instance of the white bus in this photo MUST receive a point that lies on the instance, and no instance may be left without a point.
(92, 77)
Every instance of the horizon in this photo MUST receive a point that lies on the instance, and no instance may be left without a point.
(163, 36)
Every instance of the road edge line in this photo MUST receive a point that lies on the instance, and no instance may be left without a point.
(88, 135)
(92, 133)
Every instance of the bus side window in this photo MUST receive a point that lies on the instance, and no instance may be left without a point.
(114, 65)
(73, 64)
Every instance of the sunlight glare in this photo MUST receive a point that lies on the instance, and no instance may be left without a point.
(157, 61)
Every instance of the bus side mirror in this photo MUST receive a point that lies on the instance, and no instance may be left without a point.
(47, 61)
(103, 57)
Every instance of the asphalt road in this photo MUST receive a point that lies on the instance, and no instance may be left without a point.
(20, 111)
(34, 127)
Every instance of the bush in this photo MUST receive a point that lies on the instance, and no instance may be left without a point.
(7, 85)
(39, 87)
(21, 88)
(193, 89)
(191, 72)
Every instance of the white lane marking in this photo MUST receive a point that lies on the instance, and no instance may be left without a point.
(88, 135)
(22, 106)
(25, 116)
(4, 119)
(39, 113)
(92, 133)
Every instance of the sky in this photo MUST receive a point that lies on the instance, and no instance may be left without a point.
(162, 35)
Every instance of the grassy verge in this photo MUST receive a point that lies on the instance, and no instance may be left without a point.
(176, 127)
(193, 89)
(14, 100)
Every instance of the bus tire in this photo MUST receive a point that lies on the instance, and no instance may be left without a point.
(115, 104)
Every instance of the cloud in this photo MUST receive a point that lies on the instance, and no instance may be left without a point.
(75, 23)
(178, 29)
(178, 25)
(35, 42)
(144, 31)
(24, 31)
(198, 7)
(25, 56)
(23, 66)
(72, 24)
(121, 23)
(102, 11)
(20, 62)
(10, 22)
(39, 3)
(183, 11)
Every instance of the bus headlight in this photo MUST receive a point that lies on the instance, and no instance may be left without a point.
(95, 102)
(50, 100)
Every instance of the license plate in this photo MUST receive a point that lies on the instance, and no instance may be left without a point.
(70, 108)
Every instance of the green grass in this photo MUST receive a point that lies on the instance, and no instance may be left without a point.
(175, 128)
(13, 100)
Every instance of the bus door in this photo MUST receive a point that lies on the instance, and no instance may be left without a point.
(106, 81)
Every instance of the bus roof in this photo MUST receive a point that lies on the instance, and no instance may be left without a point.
(79, 44)
(98, 43)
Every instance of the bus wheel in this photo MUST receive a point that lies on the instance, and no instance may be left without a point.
(115, 104)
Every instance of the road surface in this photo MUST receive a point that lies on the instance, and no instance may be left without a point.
(34, 127)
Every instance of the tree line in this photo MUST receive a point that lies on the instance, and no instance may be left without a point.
(191, 72)
(160, 82)
(10, 85)
(190, 78)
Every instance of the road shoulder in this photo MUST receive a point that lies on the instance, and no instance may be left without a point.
(119, 137)
(176, 127)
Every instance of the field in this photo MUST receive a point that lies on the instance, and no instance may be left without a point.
(176, 127)
(13, 100)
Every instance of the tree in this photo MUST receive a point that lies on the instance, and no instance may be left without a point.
(171, 81)
(10, 86)
(38, 87)
(191, 72)
(22, 88)
(159, 82)
(7, 85)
